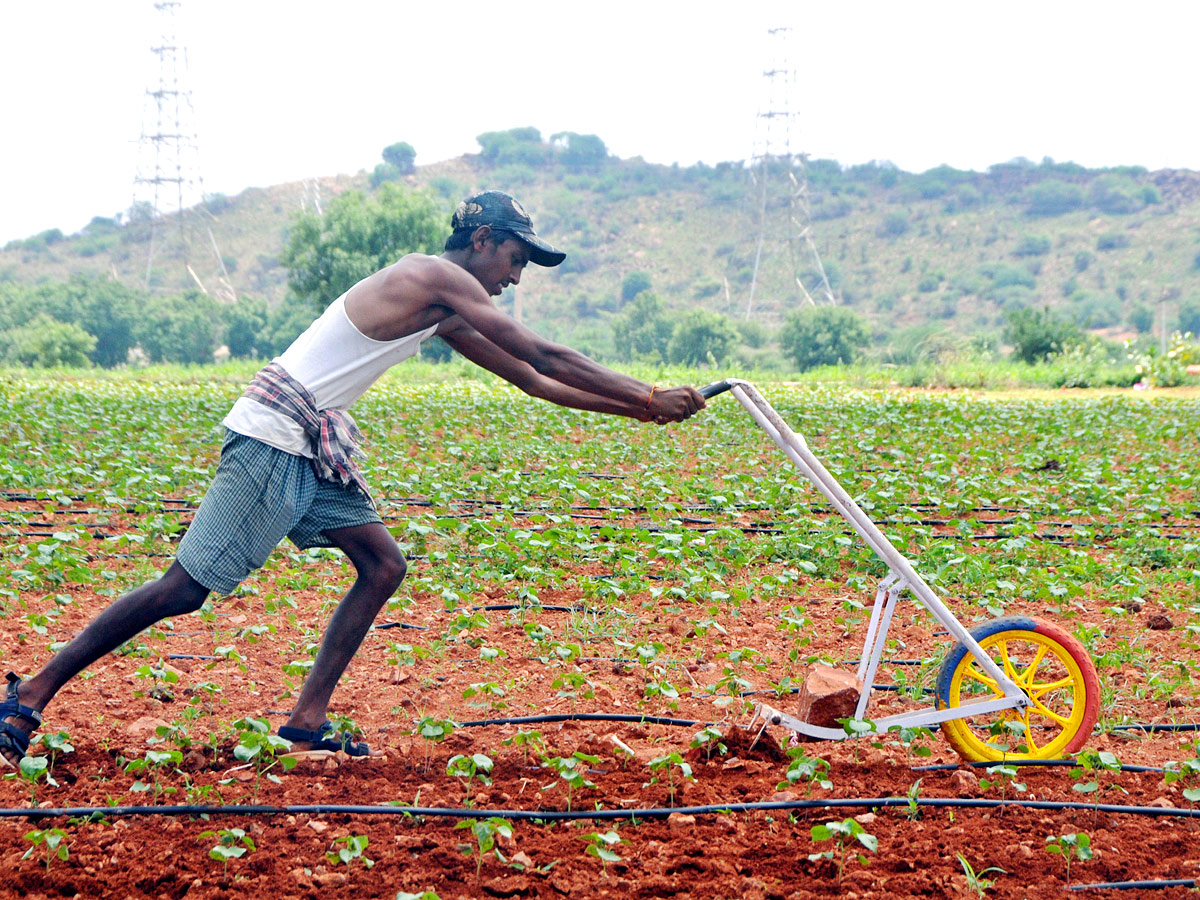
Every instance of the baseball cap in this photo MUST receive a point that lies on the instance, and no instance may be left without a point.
(500, 210)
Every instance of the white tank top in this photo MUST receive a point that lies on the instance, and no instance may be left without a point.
(336, 362)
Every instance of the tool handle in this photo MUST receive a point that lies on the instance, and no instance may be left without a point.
(717, 387)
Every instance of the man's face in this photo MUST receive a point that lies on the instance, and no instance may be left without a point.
(501, 265)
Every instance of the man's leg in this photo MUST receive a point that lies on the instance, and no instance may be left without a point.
(380, 566)
(175, 593)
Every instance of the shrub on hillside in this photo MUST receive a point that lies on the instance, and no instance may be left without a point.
(701, 337)
(1036, 335)
(1052, 197)
(1119, 194)
(823, 336)
(1032, 245)
(634, 283)
(45, 342)
(642, 330)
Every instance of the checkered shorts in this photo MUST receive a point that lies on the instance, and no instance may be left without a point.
(259, 496)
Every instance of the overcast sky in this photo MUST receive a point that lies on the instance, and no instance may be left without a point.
(287, 89)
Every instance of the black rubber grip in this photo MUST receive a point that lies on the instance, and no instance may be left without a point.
(717, 387)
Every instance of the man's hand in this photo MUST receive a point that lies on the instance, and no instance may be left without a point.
(673, 404)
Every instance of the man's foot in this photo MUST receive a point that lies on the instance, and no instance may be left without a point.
(17, 723)
(322, 738)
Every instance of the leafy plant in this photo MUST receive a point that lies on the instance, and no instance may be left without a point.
(976, 882)
(572, 770)
(353, 846)
(1075, 845)
(668, 763)
(232, 843)
(599, 845)
(258, 745)
(809, 770)
(155, 762)
(477, 766)
(433, 731)
(53, 842)
(844, 834)
(485, 832)
(1004, 777)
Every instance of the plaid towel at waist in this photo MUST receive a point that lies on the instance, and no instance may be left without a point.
(333, 432)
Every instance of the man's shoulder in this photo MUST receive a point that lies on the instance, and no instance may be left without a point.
(429, 270)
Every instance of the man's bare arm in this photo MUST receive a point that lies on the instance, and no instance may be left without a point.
(459, 291)
(475, 347)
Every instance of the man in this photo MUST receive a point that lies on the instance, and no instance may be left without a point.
(287, 465)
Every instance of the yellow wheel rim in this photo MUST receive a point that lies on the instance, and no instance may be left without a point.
(1051, 678)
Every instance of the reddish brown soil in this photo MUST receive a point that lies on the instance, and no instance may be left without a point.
(751, 854)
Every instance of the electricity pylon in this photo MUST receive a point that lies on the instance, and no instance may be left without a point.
(778, 174)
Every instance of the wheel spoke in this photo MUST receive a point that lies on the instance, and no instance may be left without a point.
(975, 675)
(1049, 713)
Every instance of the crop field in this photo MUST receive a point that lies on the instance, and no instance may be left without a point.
(559, 691)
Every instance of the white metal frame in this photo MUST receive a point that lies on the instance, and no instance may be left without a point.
(901, 577)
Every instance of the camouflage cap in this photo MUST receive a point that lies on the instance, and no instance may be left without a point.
(499, 210)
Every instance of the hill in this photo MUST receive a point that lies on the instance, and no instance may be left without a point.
(1115, 250)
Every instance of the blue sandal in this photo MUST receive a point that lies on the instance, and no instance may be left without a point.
(320, 741)
(13, 739)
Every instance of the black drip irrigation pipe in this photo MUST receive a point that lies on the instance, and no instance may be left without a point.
(542, 815)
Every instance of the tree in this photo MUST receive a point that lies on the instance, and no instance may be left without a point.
(523, 146)
(822, 336)
(1189, 315)
(579, 150)
(358, 235)
(46, 342)
(401, 155)
(633, 284)
(182, 329)
(700, 337)
(642, 330)
(103, 307)
(1036, 335)
(245, 328)
(1053, 197)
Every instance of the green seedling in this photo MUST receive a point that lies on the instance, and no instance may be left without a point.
(470, 768)
(53, 842)
(914, 739)
(1187, 771)
(158, 677)
(31, 770)
(599, 845)
(573, 771)
(572, 686)
(528, 741)
(155, 762)
(1004, 778)
(807, 770)
(913, 796)
(976, 882)
(353, 847)
(433, 731)
(485, 832)
(346, 727)
(844, 834)
(491, 694)
(232, 843)
(424, 895)
(669, 762)
(709, 738)
(58, 744)
(1075, 845)
(265, 750)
